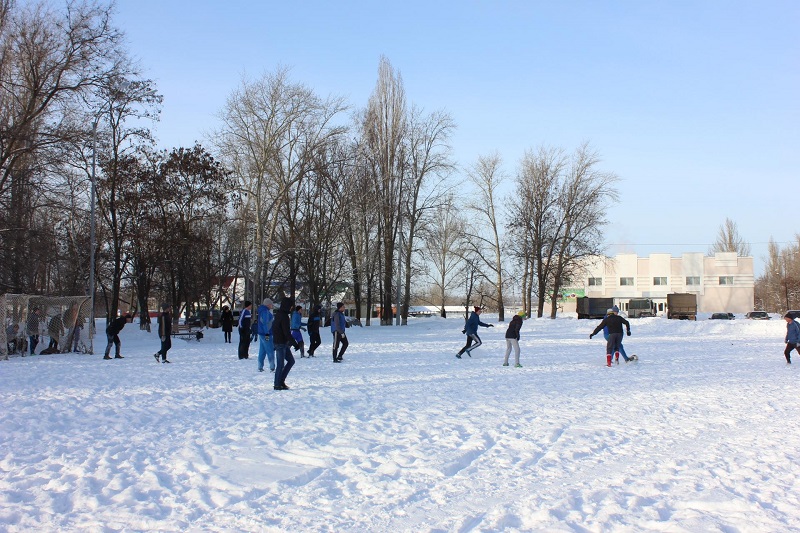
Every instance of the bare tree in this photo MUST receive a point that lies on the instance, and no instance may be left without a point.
(443, 237)
(271, 129)
(729, 240)
(429, 168)
(384, 127)
(585, 197)
(486, 175)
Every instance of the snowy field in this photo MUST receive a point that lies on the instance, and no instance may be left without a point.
(703, 434)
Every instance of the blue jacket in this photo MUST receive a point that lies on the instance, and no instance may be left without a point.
(297, 320)
(473, 322)
(265, 319)
(338, 322)
(244, 320)
(793, 332)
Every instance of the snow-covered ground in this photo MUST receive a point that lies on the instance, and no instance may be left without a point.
(703, 434)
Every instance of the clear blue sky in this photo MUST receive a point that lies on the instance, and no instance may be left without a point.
(694, 104)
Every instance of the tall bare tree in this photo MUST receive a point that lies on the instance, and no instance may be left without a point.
(443, 237)
(428, 170)
(384, 126)
(729, 240)
(486, 174)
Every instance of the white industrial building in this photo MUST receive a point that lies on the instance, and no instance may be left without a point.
(723, 282)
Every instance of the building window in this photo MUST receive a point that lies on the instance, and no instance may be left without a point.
(594, 282)
(726, 280)
(626, 281)
(693, 280)
(659, 281)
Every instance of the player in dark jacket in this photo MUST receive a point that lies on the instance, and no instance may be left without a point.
(245, 329)
(112, 333)
(614, 323)
(512, 340)
(282, 339)
(164, 332)
(226, 322)
(314, 322)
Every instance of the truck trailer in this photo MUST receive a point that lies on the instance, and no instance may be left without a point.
(682, 306)
(593, 307)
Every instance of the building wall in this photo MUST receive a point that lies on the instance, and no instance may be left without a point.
(723, 282)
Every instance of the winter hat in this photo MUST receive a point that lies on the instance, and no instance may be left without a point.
(616, 309)
(267, 302)
(610, 311)
(788, 315)
(247, 303)
(477, 308)
(339, 305)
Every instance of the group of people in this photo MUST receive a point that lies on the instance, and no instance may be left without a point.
(70, 322)
(611, 327)
(280, 331)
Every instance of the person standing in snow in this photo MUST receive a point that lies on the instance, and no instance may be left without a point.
(283, 340)
(32, 328)
(112, 334)
(512, 340)
(266, 349)
(226, 321)
(792, 339)
(621, 347)
(164, 332)
(55, 329)
(244, 330)
(338, 325)
(314, 321)
(471, 330)
(614, 323)
(296, 325)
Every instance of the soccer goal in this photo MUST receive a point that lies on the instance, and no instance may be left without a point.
(59, 323)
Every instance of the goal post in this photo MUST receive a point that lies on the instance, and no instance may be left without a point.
(61, 324)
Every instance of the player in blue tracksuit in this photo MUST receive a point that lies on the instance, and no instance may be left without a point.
(244, 330)
(264, 324)
(297, 323)
(471, 330)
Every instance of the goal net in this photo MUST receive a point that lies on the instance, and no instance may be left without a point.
(57, 324)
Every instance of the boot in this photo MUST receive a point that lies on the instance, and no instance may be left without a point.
(608, 359)
(616, 357)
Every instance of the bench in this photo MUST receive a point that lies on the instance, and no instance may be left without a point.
(187, 331)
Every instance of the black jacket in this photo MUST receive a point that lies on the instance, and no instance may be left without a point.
(281, 333)
(513, 328)
(165, 325)
(314, 320)
(614, 323)
(116, 325)
(226, 320)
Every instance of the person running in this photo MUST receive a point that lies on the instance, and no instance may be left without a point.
(621, 347)
(512, 340)
(471, 330)
(226, 321)
(266, 349)
(296, 324)
(112, 334)
(314, 321)
(245, 318)
(282, 338)
(614, 323)
(792, 339)
(164, 333)
(338, 325)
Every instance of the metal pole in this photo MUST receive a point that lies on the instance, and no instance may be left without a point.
(92, 243)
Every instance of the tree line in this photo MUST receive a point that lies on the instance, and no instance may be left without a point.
(294, 193)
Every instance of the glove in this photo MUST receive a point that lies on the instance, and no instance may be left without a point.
(464, 331)
(629, 333)
(591, 335)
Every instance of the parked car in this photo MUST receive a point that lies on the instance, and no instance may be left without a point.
(722, 316)
(757, 315)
